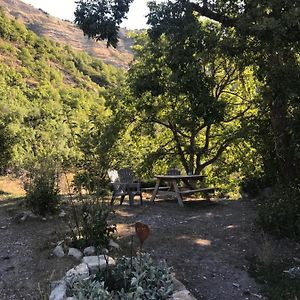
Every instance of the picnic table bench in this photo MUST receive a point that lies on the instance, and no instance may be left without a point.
(174, 189)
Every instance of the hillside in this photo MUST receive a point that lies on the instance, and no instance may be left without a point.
(48, 93)
(67, 33)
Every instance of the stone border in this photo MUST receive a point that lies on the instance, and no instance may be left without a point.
(89, 265)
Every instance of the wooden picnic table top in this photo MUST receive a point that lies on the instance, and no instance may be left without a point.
(179, 176)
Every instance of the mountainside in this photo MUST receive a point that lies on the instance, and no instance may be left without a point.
(48, 95)
(67, 33)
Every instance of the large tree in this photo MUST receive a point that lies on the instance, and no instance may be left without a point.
(196, 96)
(269, 38)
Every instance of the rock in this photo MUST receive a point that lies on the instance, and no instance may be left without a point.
(81, 271)
(293, 272)
(182, 295)
(62, 214)
(24, 218)
(89, 251)
(59, 292)
(104, 251)
(75, 253)
(25, 215)
(98, 262)
(59, 251)
(178, 286)
(54, 284)
(113, 244)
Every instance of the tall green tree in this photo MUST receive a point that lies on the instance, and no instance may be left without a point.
(183, 84)
(269, 38)
(101, 19)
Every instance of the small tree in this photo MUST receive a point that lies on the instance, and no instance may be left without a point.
(42, 191)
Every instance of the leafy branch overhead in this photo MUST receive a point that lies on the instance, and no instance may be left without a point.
(101, 19)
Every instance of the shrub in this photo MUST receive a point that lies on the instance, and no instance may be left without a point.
(42, 192)
(280, 213)
(276, 283)
(254, 185)
(89, 225)
(131, 279)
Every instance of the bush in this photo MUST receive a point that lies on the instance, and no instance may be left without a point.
(42, 192)
(89, 225)
(280, 213)
(276, 283)
(254, 185)
(131, 279)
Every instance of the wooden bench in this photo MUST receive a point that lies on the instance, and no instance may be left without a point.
(151, 189)
(205, 191)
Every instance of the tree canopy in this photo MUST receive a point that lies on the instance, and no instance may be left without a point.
(266, 37)
(196, 93)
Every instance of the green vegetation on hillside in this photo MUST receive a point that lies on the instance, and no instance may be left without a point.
(49, 93)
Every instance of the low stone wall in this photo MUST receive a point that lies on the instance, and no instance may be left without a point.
(89, 265)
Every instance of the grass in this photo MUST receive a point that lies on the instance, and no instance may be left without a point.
(10, 188)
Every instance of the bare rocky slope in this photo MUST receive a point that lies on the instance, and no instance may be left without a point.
(67, 33)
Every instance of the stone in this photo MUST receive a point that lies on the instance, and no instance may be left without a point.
(75, 253)
(113, 244)
(178, 286)
(293, 272)
(59, 251)
(104, 251)
(81, 271)
(95, 263)
(89, 251)
(28, 215)
(182, 295)
(24, 218)
(62, 214)
(59, 292)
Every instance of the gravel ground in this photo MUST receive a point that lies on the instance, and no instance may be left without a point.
(207, 244)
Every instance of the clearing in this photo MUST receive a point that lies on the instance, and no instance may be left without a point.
(206, 244)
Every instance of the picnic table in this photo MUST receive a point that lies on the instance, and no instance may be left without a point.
(175, 189)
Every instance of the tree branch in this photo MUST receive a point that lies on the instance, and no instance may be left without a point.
(238, 115)
(217, 155)
(206, 12)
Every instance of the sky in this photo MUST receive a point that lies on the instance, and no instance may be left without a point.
(64, 9)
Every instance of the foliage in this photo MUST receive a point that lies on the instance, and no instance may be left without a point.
(42, 192)
(253, 186)
(89, 289)
(48, 93)
(280, 212)
(277, 285)
(89, 224)
(131, 279)
(266, 37)
(101, 19)
(98, 143)
(193, 96)
(6, 145)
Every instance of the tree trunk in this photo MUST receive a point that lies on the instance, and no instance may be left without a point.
(284, 146)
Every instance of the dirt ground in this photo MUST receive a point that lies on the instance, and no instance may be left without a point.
(206, 244)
